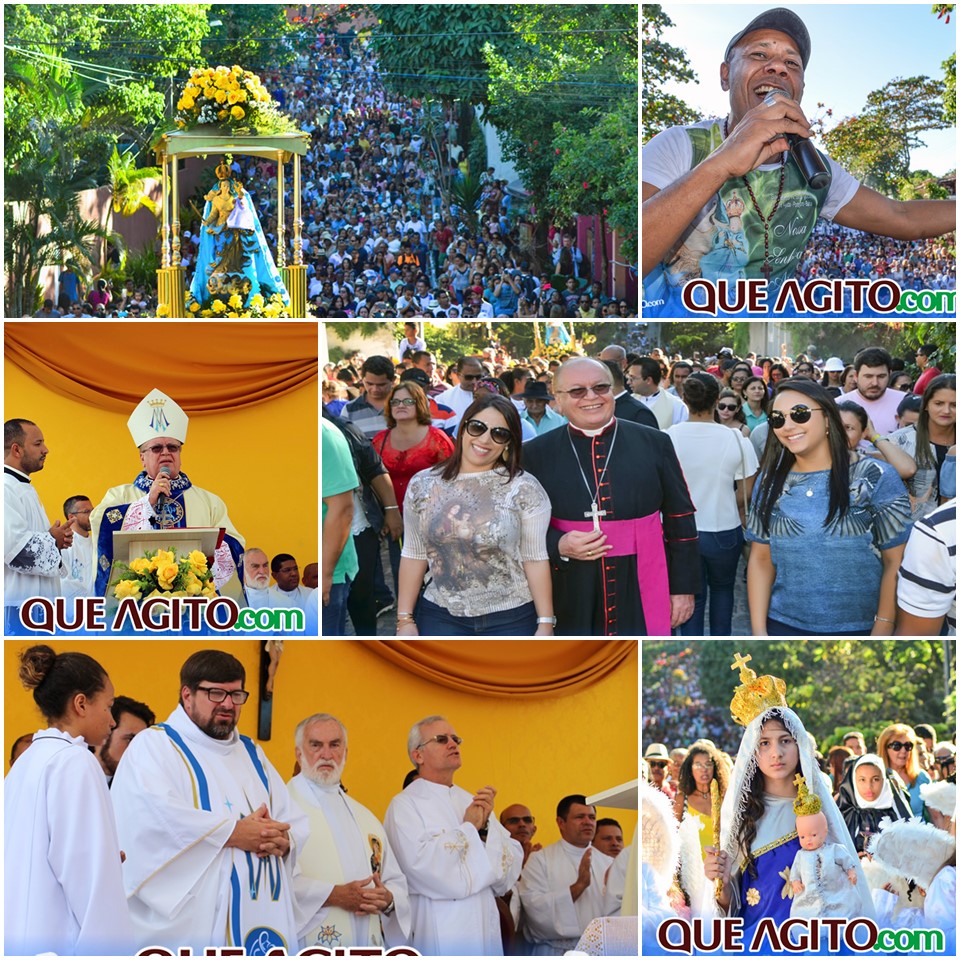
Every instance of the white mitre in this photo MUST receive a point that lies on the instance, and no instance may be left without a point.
(157, 415)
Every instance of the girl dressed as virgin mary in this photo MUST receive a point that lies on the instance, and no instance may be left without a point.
(234, 257)
(758, 828)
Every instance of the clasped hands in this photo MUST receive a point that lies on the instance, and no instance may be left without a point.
(480, 807)
(359, 898)
(258, 833)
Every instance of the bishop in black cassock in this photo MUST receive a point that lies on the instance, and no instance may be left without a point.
(634, 472)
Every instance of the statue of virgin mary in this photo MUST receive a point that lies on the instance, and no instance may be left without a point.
(234, 257)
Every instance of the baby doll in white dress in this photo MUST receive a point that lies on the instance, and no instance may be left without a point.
(823, 874)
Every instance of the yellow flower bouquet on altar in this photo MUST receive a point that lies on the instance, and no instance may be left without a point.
(230, 98)
(161, 574)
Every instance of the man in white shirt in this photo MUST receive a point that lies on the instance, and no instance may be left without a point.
(256, 578)
(366, 902)
(287, 592)
(78, 559)
(563, 886)
(460, 397)
(873, 374)
(32, 564)
(453, 874)
(643, 378)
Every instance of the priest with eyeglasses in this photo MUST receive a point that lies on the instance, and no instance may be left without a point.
(456, 856)
(622, 539)
(162, 497)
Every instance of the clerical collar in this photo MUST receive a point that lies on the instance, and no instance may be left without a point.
(14, 472)
(595, 433)
(573, 849)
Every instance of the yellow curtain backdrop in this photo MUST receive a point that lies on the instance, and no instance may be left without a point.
(205, 367)
(250, 391)
(532, 750)
(518, 668)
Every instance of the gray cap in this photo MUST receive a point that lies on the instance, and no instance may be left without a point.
(786, 21)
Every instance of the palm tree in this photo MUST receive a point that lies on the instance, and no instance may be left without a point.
(126, 184)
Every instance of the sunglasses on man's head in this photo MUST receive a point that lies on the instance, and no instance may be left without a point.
(946, 761)
(477, 428)
(801, 413)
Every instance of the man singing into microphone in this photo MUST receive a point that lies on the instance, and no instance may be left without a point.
(162, 497)
(726, 199)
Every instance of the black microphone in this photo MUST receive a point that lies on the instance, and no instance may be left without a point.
(162, 497)
(811, 164)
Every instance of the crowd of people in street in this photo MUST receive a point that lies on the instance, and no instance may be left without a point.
(382, 237)
(785, 463)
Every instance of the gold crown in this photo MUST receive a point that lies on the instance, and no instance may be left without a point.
(755, 694)
(807, 803)
(223, 171)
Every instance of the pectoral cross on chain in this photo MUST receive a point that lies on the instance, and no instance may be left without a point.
(594, 514)
(766, 270)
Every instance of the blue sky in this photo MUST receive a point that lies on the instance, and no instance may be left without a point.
(855, 48)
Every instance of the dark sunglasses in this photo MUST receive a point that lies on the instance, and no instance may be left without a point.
(658, 764)
(477, 428)
(801, 413)
(897, 745)
(728, 406)
(470, 376)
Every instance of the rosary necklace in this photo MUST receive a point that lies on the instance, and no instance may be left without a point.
(593, 513)
(766, 269)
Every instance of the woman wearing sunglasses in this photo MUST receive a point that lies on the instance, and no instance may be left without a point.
(476, 528)
(897, 747)
(827, 532)
(730, 412)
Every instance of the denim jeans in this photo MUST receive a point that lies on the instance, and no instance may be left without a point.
(719, 557)
(434, 621)
(777, 629)
(334, 615)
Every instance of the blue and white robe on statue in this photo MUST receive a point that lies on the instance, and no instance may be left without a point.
(178, 795)
(257, 262)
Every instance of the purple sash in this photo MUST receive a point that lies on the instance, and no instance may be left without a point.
(624, 536)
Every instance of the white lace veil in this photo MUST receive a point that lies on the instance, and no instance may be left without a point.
(735, 799)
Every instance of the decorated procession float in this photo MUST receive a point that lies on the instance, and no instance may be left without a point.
(227, 111)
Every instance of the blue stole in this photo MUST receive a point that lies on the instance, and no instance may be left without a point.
(771, 892)
(174, 515)
(267, 871)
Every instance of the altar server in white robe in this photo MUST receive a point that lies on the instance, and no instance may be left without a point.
(365, 894)
(163, 497)
(63, 891)
(207, 825)
(563, 885)
(453, 875)
(32, 565)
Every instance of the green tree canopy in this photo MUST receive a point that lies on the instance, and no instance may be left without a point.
(662, 62)
(833, 685)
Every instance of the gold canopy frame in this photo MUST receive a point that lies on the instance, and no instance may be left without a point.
(279, 147)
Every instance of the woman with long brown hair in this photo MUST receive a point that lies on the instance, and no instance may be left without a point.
(477, 523)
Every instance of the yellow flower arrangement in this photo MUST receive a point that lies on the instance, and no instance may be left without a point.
(235, 301)
(218, 306)
(162, 574)
(213, 95)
